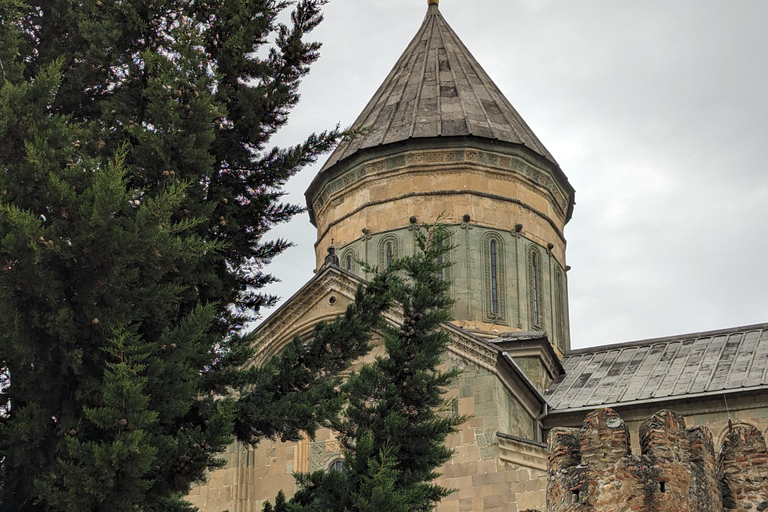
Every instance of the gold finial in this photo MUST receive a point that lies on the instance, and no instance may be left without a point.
(433, 2)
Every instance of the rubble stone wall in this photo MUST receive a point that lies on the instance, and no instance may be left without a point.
(593, 468)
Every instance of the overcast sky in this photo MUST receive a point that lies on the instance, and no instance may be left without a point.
(657, 111)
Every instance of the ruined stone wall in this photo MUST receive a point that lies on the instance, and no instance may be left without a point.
(593, 468)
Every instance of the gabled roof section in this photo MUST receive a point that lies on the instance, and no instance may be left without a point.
(437, 89)
(687, 366)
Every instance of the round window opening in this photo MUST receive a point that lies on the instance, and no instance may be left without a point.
(332, 301)
(336, 465)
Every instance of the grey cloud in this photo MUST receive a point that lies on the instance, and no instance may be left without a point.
(655, 110)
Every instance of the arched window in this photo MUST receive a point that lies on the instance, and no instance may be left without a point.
(349, 260)
(494, 279)
(336, 465)
(445, 257)
(535, 292)
(389, 250)
(535, 286)
(495, 294)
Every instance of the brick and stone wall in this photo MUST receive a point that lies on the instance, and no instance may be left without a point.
(593, 468)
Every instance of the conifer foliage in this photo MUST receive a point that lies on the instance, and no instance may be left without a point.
(394, 428)
(136, 184)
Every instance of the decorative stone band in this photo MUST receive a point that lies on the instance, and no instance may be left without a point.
(522, 452)
(444, 193)
(593, 469)
(431, 159)
(273, 334)
(482, 355)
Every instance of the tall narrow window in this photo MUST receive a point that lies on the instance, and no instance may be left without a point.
(348, 259)
(389, 249)
(444, 258)
(535, 288)
(494, 280)
(495, 308)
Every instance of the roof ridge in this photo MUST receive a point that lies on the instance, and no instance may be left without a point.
(423, 77)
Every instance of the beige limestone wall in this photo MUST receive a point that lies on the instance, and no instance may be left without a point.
(484, 211)
(385, 198)
(251, 475)
(492, 486)
(485, 481)
(470, 278)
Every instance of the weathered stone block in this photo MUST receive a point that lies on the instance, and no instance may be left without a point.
(593, 469)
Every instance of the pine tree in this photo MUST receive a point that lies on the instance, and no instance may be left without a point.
(136, 185)
(394, 427)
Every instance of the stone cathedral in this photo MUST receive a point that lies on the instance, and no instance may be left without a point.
(439, 139)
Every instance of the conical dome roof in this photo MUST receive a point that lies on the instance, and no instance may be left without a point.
(437, 89)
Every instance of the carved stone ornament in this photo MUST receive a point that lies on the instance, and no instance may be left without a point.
(278, 328)
(424, 159)
(499, 317)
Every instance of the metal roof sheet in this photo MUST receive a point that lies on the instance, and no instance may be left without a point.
(693, 364)
(437, 89)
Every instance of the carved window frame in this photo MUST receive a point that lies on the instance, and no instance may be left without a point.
(535, 288)
(445, 257)
(395, 249)
(349, 256)
(500, 316)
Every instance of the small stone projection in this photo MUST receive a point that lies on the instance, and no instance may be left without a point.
(593, 468)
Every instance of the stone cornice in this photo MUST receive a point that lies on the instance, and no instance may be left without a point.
(522, 452)
(532, 347)
(471, 349)
(280, 326)
(506, 162)
(496, 197)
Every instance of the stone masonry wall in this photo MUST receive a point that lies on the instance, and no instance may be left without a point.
(593, 469)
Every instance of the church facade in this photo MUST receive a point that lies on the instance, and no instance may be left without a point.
(440, 140)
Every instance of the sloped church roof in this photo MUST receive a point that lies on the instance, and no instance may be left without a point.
(688, 366)
(437, 89)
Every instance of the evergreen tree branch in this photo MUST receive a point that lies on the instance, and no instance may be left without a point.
(393, 428)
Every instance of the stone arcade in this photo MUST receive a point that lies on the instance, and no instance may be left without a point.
(441, 139)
